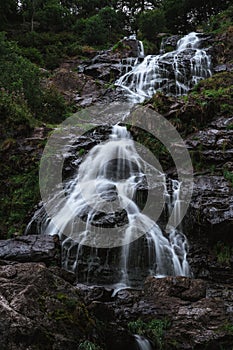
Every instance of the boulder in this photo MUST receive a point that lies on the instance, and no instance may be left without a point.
(31, 248)
(211, 207)
(39, 310)
(180, 287)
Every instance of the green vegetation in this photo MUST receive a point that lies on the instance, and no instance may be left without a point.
(228, 327)
(221, 22)
(41, 34)
(24, 104)
(154, 330)
(151, 23)
(228, 176)
(87, 345)
(98, 23)
(223, 253)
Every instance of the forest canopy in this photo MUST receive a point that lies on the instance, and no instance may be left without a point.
(101, 20)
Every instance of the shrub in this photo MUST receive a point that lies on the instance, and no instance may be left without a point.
(54, 108)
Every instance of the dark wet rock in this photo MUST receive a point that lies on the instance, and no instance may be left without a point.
(181, 287)
(211, 208)
(102, 311)
(193, 325)
(214, 145)
(103, 71)
(171, 41)
(39, 310)
(95, 293)
(197, 312)
(30, 248)
(106, 65)
(223, 68)
(133, 46)
(116, 218)
(66, 275)
(212, 202)
(76, 86)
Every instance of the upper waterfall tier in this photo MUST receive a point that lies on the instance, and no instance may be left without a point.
(173, 72)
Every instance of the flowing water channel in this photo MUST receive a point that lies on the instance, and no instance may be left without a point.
(174, 72)
(107, 183)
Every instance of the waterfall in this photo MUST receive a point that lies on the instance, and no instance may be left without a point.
(142, 343)
(173, 72)
(105, 188)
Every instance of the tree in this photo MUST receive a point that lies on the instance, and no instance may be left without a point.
(89, 8)
(199, 11)
(29, 9)
(8, 12)
(19, 75)
(150, 23)
(176, 15)
(52, 16)
(102, 28)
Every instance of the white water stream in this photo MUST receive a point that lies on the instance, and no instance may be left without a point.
(109, 177)
(142, 343)
(107, 182)
(173, 72)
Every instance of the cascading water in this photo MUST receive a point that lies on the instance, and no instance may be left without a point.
(173, 72)
(107, 182)
(142, 343)
(104, 232)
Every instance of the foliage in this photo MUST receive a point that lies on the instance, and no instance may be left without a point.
(15, 117)
(228, 176)
(57, 16)
(101, 28)
(227, 327)
(223, 253)
(185, 15)
(51, 47)
(23, 102)
(220, 22)
(18, 74)
(151, 23)
(8, 12)
(153, 330)
(87, 345)
(53, 108)
(176, 16)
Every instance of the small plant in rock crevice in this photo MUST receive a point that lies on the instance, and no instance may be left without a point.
(153, 330)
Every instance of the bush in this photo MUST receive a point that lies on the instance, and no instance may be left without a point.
(54, 108)
(18, 74)
(33, 54)
(15, 117)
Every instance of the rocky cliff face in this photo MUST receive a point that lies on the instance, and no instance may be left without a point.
(41, 308)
